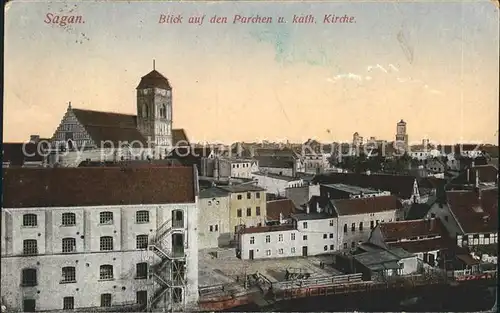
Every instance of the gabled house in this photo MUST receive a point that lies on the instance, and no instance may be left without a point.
(427, 238)
(279, 211)
(470, 216)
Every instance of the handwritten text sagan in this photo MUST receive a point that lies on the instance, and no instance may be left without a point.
(255, 19)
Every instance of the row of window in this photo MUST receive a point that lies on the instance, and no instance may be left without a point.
(243, 165)
(239, 212)
(69, 219)
(249, 196)
(325, 248)
(214, 228)
(29, 305)
(106, 272)
(30, 246)
(372, 225)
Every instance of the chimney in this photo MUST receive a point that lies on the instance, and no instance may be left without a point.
(308, 208)
(281, 218)
(318, 209)
(34, 138)
(432, 221)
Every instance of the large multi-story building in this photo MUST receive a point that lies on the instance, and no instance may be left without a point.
(75, 238)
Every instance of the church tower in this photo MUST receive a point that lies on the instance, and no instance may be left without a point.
(154, 111)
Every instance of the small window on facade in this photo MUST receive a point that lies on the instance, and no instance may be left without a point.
(239, 197)
(252, 240)
(304, 237)
(106, 271)
(325, 236)
(257, 211)
(280, 251)
(249, 211)
(68, 274)
(331, 222)
(29, 220)
(292, 250)
(29, 278)
(211, 228)
(239, 213)
(268, 252)
(361, 226)
(142, 217)
(141, 270)
(292, 236)
(68, 245)
(249, 195)
(30, 247)
(68, 303)
(353, 227)
(268, 238)
(142, 297)
(331, 235)
(345, 228)
(68, 219)
(141, 241)
(106, 218)
(106, 300)
(304, 225)
(345, 245)
(106, 243)
(280, 237)
(257, 195)
(331, 247)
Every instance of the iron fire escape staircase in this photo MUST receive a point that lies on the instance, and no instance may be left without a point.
(167, 275)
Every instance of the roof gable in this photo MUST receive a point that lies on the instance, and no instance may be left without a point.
(69, 187)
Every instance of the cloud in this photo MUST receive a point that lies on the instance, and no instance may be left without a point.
(378, 66)
(393, 68)
(348, 76)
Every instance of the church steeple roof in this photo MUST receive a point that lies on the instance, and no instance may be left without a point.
(154, 79)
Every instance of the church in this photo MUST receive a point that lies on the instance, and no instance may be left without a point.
(86, 135)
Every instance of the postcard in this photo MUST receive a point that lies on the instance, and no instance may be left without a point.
(250, 155)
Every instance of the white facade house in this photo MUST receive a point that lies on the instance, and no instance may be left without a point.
(88, 237)
(327, 226)
(316, 163)
(235, 168)
(213, 219)
(424, 154)
(276, 184)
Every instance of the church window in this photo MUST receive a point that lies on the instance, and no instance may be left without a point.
(163, 111)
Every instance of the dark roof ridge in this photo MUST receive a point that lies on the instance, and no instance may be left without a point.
(107, 112)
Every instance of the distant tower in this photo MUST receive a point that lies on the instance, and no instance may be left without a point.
(357, 140)
(401, 135)
(154, 110)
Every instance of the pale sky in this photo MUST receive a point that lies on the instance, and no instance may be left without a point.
(263, 82)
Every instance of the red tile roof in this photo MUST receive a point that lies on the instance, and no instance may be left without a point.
(414, 228)
(366, 205)
(266, 229)
(475, 214)
(116, 127)
(275, 207)
(424, 245)
(399, 185)
(66, 187)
